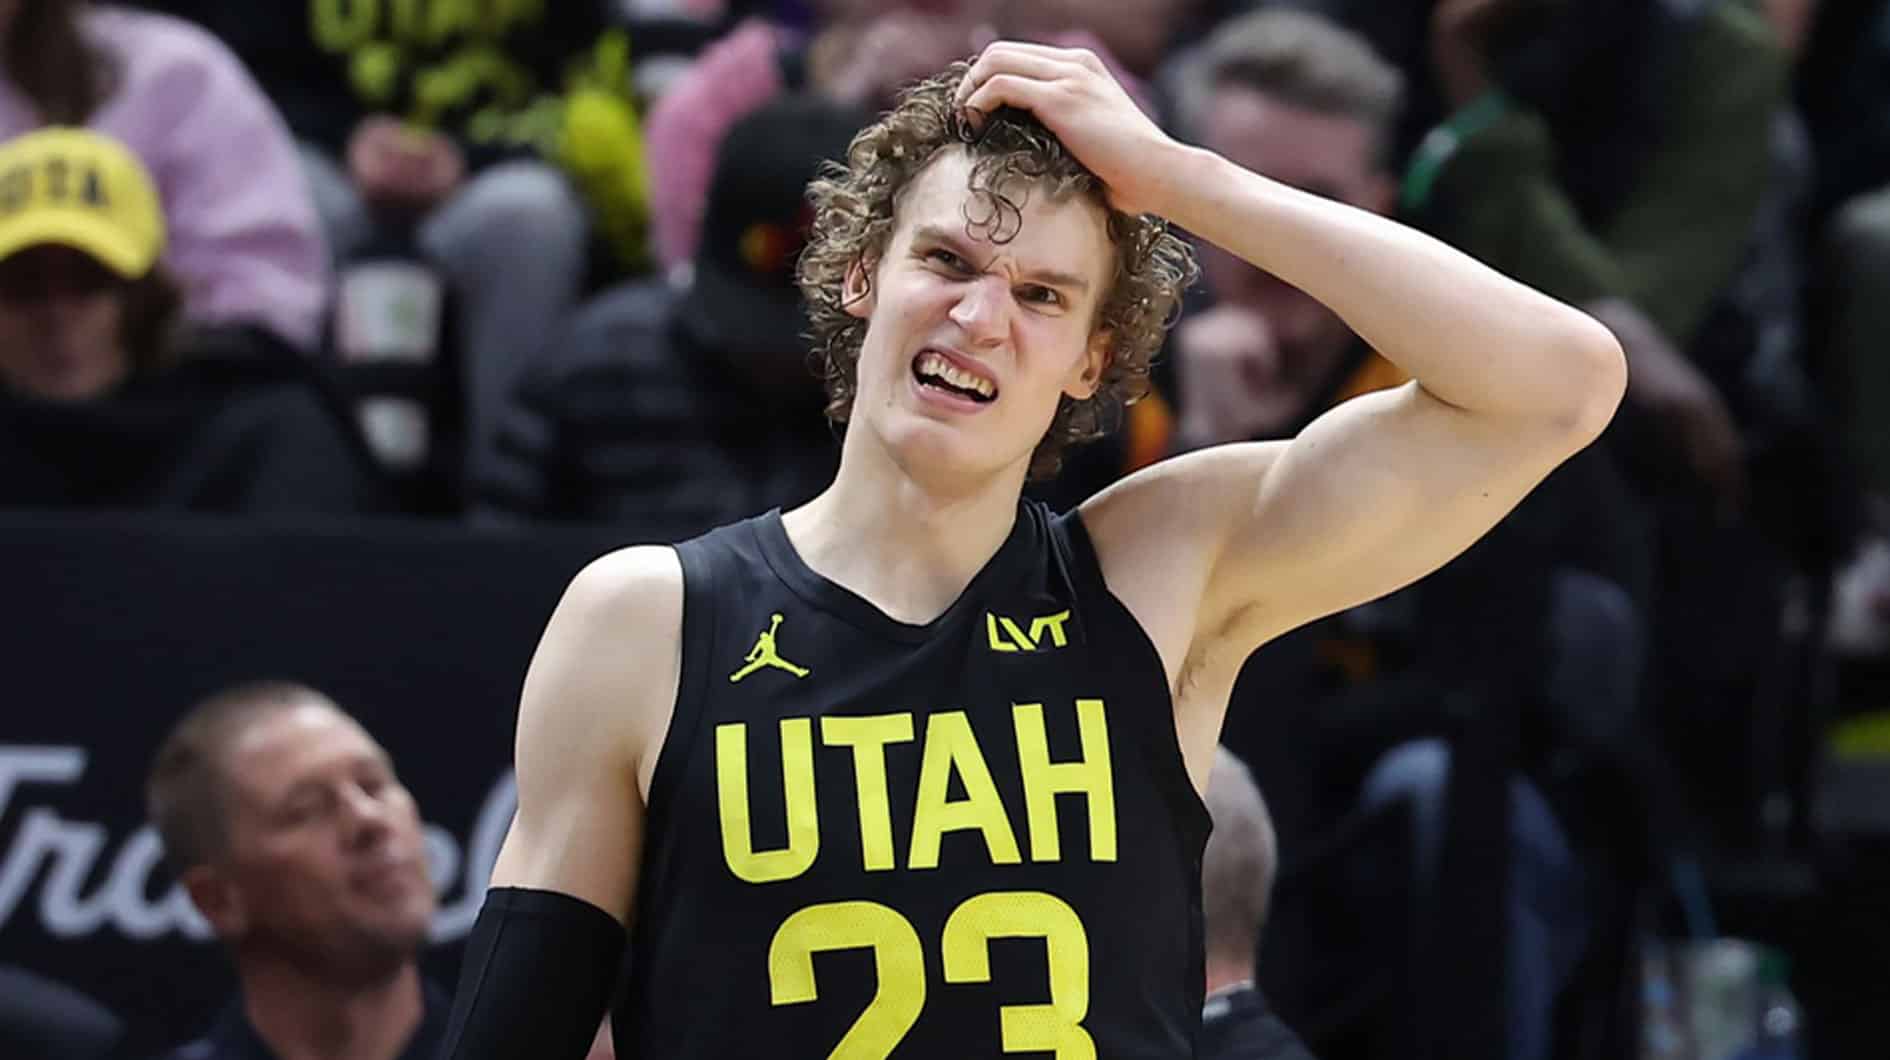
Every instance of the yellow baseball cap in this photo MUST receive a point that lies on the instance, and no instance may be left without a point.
(80, 189)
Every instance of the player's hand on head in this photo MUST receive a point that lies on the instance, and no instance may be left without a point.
(1073, 93)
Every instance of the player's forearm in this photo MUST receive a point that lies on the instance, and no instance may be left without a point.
(1468, 334)
(535, 978)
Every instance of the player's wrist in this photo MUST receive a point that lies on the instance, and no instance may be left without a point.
(1180, 179)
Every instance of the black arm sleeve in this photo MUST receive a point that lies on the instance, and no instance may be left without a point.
(538, 973)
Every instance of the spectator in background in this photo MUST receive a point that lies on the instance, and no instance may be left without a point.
(1615, 153)
(859, 53)
(494, 140)
(245, 242)
(1300, 101)
(1640, 207)
(1627, 157)
(285, 823)
(1524, 618)
(1237, 870)
(105, 400)
(688, 410)
(1138, 33)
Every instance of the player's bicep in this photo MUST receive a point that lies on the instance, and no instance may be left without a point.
(600, 684)
(1372, 496)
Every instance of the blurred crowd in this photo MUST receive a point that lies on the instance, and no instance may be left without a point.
(522, 262)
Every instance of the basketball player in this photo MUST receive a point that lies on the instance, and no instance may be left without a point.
(947, 803)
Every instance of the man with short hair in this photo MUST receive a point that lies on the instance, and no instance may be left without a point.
(967, 821)
(1237, 871)
(285, 823)
(1308, 104)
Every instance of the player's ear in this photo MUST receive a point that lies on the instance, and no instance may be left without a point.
(857, 289)
(1086, 377)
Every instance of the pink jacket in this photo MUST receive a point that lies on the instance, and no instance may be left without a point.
(245, 241)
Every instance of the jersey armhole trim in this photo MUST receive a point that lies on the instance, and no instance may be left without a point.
(697, 635)
(1163, 745)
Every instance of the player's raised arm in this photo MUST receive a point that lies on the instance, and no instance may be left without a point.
(545, 951)
(1508, 383)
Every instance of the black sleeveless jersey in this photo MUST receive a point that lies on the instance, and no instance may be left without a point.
(866, 838)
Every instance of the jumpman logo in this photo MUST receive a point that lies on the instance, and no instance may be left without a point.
(764, 655)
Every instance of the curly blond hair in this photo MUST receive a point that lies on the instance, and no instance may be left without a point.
(854, 208)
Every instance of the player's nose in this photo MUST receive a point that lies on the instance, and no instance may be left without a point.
(983, 311)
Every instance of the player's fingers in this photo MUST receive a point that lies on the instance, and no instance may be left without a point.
(1011, 90)
(1007, 59)
(1077, 56)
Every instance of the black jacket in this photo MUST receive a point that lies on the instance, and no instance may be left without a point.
(234, 1038)
(232, 429)
(629, 422)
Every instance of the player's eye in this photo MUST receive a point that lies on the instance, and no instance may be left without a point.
(1040, 295)
(951, 261)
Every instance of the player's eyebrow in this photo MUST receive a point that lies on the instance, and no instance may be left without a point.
(1058, 278)
(1047, 277)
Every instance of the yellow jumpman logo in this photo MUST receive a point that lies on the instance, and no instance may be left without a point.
(764, 655)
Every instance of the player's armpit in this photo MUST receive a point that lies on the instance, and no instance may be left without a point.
(597, 699)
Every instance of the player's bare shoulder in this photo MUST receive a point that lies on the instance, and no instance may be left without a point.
(1159, 532)
(597, 699)
(613, 651)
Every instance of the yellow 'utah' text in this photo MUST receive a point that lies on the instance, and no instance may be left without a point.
(949, 748)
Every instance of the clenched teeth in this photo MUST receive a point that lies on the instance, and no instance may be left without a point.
(933, 364)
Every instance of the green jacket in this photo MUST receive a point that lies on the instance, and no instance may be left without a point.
(1679, 235)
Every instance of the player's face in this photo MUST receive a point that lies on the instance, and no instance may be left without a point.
(1326, 154)
(325, 843)
(970, 344)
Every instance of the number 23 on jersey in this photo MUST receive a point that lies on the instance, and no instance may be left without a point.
(899, 961)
